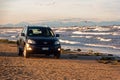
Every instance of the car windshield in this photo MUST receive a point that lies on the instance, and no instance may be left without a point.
(40, 32)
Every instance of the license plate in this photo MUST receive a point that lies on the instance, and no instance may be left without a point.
(45, 48)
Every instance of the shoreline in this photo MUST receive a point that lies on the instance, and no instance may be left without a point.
(74, 48)
(76, 54)
(95, 49)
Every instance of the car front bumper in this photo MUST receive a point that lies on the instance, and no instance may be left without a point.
(43, 49)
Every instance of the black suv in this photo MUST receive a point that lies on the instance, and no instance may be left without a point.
(38, 40)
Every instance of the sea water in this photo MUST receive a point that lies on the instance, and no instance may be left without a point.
(105, 39)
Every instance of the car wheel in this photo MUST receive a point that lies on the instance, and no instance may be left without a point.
(25, 53)
(57, 55)
(20, 53)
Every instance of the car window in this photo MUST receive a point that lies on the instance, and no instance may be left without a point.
(40, 32)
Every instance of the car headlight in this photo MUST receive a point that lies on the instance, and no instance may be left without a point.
(30, 41)
(57, 42)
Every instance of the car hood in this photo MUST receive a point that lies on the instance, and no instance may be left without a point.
(43, 38)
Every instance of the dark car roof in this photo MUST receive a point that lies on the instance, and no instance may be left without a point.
(39, 26)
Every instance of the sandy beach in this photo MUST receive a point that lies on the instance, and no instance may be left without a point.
(68, 67)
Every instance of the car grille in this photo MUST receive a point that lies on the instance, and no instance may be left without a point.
(45, 42)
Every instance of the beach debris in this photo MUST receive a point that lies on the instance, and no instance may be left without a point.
(110, 58)
(79, 50)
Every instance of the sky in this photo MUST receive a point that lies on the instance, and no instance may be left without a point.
(15, 11)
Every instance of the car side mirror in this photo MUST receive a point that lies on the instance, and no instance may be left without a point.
(22, 34)
(57, 35)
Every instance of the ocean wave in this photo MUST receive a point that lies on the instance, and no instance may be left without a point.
(118, 27)
(3, 38)
(68, 42)
(102, 39)
(102, 29)
(103, 46)
(91, 33)
(60, 31)
(116, 33)
(11, 30)
(13, 36)
(81, 36)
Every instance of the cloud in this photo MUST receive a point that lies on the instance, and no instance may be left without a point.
(45, 3)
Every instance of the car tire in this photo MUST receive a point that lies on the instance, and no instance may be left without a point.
(25, 53)
(57, 55)
(20, 52)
